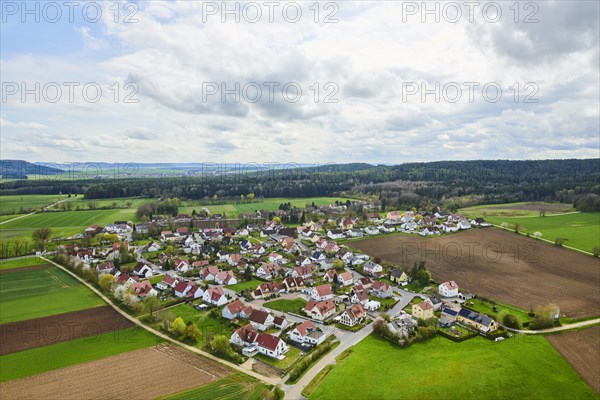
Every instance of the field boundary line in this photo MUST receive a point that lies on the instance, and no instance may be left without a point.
(272, 381)
(557, 328)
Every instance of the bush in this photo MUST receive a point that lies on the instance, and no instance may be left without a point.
(511, 321)
(304, 363)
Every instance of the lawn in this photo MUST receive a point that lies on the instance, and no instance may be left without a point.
(22, 262)
(518, 368)
(234, 387)
(62, 223)
(38, 293)
(291, 357)
(524, 209)
(208, 325)
(42, 359)
(488, 308)
(582, 230)
(284, 305)
(250, 285)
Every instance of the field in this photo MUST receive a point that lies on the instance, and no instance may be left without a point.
(500, 265)
(527, 209)
(249, 285)
(39, 332)
(286, 305)
(580, 348)
(65, 223)
(518, 368)
(31, 293)
(582, 230)
(26, 203)
(233, 387)
(47, 358)
(21, 263)
(234, 210)
(140, 374)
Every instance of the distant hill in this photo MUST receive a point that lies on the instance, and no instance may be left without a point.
(19, 169)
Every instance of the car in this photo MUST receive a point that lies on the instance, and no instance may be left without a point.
(499, 339)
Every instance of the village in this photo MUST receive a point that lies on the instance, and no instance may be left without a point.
(281, 287)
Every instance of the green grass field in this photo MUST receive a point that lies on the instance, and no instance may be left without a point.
(518, 368)
(234, 387)
(62, 223)
(17, 204)
(523, 209)
(234, 210)
(582, 230)
(250, 285)
(285, 305)
(488, 308)
(38, 293)
(21, 262)
(42, 359)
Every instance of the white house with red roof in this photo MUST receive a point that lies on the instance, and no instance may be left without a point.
(181, 265)
(321, 292)
(306, 332)
(270, 345)
(353, 315)
(143, 289)
(225, 278)
(167, 282)
(261, 320)
(448, 289)
(233, 309)
(244, 336)
(345, 278)
(320, 310)
(215, 296)
(182, 289)
(381, 289)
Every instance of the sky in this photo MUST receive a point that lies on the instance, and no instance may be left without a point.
(306, 82)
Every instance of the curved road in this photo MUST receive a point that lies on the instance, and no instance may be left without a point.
(136, 321)
(557, 328)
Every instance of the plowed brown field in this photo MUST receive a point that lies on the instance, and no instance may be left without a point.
(38, 332)
(582, 351)
(139, 374)
(500, 265)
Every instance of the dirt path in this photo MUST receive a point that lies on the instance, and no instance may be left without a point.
(136, 321)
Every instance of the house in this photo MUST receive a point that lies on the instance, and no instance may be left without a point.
(318, 256)
(209, 273)
(307, 333)
(85, 255)
(372, 305)
(480, 222)
(181, 265)
(225, 278)
(196, 292)
(268, 270)
(293, 284)
(435, 301)
(143, 289)
(346, 223)
(331, 247)
(125, 279)
(409, 226)
(365, 282)
(345, 255)
(234, 259)
(267, 289)
(289, 244)
(381, 290)
(304, 272)
(335, 234)
(270, 345)
(423, 310)
(372, 268)
(244, 336)
(345, 278)
(394, 215)
(448, 289)
(153, 247)
(321, 292)
(478, 321)
(355, 314)
(142, 270)
(214, 296)
(320, 310)
(448, 316)
(403, 325)
(167, 282)
(359, 294)
(372, 217)
(261, 320)
(181, 289)
(355, 233)
(371, 230)
(330, 276)
(280, 322)
(449, 227)
(106, 268)
(398, 276)
(464, 224)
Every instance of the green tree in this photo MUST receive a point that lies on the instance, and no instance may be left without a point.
(178, 327)
(220, 345)
(150, 305)
(338, 264)
(106, 282)
(248, 273)
(192, 332)
(423, 277)
(41, 237)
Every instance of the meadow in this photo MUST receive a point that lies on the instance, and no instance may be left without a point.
(208, 325)
(518, 368)
(26, 203)
(63, 224)
(37, 293)
(285, 305)
(42, 359)
(247, 285)
(22, 262)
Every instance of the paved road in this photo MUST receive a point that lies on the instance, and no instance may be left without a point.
(136, 321)
(347, 340)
